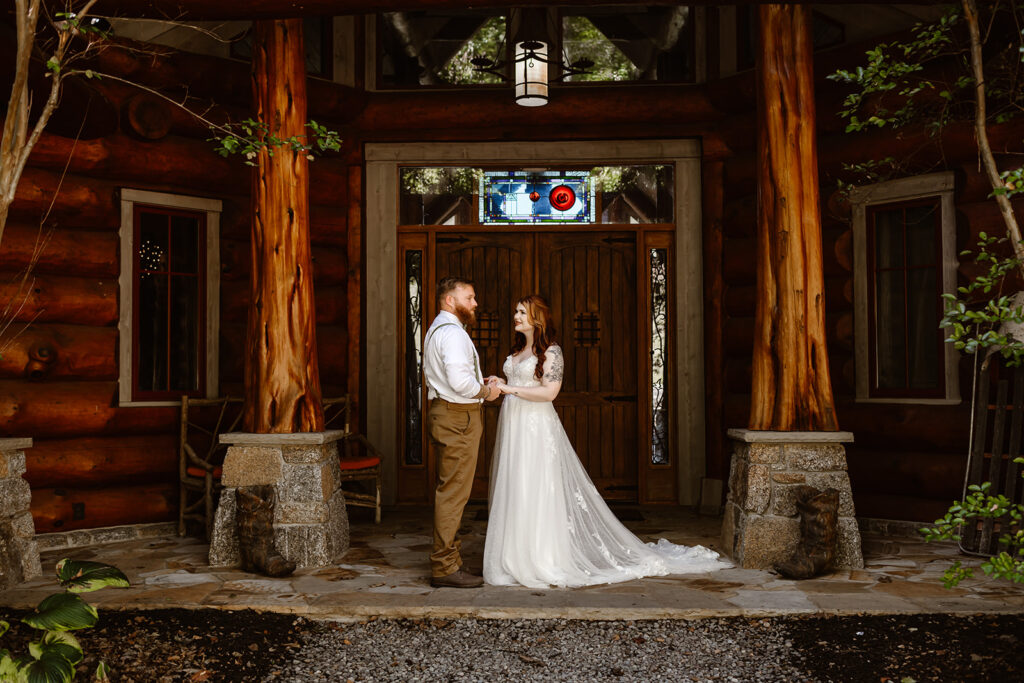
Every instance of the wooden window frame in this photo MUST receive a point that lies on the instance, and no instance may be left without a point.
(209, 211)
(865, 202)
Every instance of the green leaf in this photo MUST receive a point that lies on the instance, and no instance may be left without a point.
(3, 627)
(102, 671)
(84, 577)
(62, 612)
(50, 667)
(62, 643)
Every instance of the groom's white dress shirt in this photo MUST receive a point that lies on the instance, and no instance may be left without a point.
(450, 363)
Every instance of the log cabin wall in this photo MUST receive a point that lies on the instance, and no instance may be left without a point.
(95, 463)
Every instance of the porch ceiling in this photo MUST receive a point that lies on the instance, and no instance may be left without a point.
(265, 9)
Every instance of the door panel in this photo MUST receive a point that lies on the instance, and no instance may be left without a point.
(591, 282)
(502, 266)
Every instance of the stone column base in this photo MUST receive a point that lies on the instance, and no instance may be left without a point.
(19, 552)
(310, 520)
(761, 527)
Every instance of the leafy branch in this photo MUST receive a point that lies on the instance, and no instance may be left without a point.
(249, 137)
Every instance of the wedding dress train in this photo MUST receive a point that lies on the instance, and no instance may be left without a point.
(548, 525)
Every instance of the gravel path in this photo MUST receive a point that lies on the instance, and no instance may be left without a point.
(215, 645)
(467, 650)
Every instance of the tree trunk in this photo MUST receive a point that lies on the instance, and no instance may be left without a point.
(791, 386)
(282, 378)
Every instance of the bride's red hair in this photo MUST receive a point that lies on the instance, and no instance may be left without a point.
(538, 312)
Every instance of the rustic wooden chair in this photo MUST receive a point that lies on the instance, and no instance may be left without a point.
(359, 459)
(200, 455)
(997, 438)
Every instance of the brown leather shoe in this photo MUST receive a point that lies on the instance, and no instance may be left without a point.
(457, 579)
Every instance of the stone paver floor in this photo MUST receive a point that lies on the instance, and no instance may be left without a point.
(385, 573)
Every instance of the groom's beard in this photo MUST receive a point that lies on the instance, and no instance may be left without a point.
(465, 316)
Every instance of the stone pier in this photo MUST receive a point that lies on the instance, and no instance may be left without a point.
(310, 520)
(761, 527)
(19, 553)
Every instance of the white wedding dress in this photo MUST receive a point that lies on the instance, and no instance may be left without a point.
(547, 524)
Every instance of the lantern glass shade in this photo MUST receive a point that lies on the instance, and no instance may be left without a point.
(531, 74)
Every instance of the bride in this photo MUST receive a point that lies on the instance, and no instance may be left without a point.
(548, 525)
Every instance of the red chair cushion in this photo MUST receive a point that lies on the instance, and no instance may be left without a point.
(201, 473)
(359, 463)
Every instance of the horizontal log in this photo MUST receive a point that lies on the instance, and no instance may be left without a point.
(906, 426)
(896, 506)
(67, 252)
(61, 352)
(739, 219)
(928, 474)
(224, 81)
(843, 330)
(59, 509)
(606, 105)
(77, 201)
(843, 250)
(60, 410)
(59, 299)
(172, 161)
(102, 461)
(738, 336)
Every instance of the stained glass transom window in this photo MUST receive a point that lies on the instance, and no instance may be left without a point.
(536, 197)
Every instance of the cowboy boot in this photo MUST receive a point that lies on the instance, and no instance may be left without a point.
(255, 524)
(819, 518)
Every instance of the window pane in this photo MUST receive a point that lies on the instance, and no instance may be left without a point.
(890, 330)
(922, 326)
(889, 238)
(413, 353)
(444, 195)
(425, 48)
(185, 244)
(642, 44)
(184, 338)
(509, 197)
(635, 194)
(921, 234)
(152, 243)
(152, 332)
(659, 356)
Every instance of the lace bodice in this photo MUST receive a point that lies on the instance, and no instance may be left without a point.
(521, 374)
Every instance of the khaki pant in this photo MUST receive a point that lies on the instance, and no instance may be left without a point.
(455, 430)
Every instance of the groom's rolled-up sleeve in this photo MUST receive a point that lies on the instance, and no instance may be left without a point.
(459, 368)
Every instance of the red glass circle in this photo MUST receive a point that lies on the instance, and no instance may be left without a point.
(534, 196)
(562, 197)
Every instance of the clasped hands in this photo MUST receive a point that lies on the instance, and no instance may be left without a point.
(496, 386)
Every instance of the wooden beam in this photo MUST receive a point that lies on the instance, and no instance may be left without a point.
(269, 9)
(282, 378)
(791, 385)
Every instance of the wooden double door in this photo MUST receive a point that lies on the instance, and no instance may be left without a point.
(590, 279)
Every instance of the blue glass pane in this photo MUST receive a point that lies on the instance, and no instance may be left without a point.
(509, 197)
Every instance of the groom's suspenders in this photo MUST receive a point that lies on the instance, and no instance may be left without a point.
(476, 368)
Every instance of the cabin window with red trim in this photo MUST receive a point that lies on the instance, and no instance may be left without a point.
(168, 303)
(904, 268)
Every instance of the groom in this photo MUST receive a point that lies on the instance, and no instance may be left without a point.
(455, 387)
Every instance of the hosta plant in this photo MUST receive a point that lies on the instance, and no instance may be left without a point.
(52, 658)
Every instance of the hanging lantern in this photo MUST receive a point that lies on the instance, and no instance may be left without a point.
(531, 73)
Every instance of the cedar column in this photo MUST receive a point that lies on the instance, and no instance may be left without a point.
(282, 377)
(791, 386)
